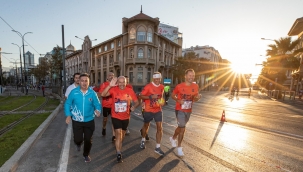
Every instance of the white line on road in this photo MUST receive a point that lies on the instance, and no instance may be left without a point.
(65, 150)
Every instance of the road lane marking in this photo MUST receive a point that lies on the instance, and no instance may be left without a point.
(63, 162)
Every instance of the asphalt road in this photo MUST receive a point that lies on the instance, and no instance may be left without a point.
(261, 134)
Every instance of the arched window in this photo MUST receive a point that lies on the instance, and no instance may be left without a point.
(141, 34)
(132, 34)
(149, 53)
(140, 53)
(131, 54)
(150, 35)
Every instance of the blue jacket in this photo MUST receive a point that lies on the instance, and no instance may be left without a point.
(81, 106)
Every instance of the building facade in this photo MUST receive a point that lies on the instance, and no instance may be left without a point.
(137, 52)
(297, 76)
(213, 55)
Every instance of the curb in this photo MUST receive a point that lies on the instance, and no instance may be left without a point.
(13, 162)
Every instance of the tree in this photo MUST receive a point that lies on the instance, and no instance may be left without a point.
(42, 70)
(190, 61)
(282, 59)
(56, 66)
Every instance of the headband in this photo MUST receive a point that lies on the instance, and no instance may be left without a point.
(157, 75)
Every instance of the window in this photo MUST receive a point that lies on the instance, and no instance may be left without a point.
(140, 75)
(100, 50)
(148, 75)
(105, 48)
(118, 72)
(150, 35)
(118, 57)
(131, 75)
(119, 43)
(149, 53)
(111, 60)
(131, 54)
(141, 36)
(132, 34)
(140, 53)
(104, 76)
(104, 61)
(112, 45)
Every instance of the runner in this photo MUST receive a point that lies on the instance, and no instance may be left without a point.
(74, 85)
(152, 95)
(81, 107)
(107, 104)
(122, 96)
(184, 94)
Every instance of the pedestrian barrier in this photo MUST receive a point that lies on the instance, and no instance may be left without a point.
(223, 117)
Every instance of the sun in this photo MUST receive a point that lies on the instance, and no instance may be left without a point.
(239, 68)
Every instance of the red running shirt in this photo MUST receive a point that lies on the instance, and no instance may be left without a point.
(106, 101)
(186, 93)
(121, 102)
(153, 104)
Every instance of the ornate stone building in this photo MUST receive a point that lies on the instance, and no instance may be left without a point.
(137, 52)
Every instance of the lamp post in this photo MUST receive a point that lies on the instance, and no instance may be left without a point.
(22, 36)
(20, 60)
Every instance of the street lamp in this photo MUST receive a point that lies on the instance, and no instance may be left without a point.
(22, 36)
(20, 60)
(84, 40)
(267, 39)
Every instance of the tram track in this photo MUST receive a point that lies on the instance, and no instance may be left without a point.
(15, 123)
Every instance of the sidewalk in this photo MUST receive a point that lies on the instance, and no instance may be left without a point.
(46, 151)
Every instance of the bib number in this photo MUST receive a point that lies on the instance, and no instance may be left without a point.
(186, 105)
(120, 107)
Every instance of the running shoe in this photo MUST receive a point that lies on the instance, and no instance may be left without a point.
(159, 151)
(173, 142)
(103, 132)
(127, 131)
(180, 152)
(142, 145)
(146, 136)
(87, 158)
(119, 158)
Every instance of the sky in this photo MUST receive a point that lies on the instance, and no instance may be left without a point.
(233, 27)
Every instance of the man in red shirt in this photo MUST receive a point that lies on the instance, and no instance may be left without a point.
(152, 95)
(122, 96)
(184, 94)
(106, 104)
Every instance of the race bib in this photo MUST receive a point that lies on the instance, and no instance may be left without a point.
(121, 107)
(186, 105)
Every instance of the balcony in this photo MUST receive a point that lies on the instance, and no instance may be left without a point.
(116, 64)
(151, 61)
(111, 64)
(129, 61)
(91, 68)
(162, 64)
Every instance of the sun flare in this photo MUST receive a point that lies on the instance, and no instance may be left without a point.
(239, 68)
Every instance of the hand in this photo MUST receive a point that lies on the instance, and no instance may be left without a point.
(113, 82)
(97, 113)
(132, 108)
(180, 101)
(68, 119)
(198, 97)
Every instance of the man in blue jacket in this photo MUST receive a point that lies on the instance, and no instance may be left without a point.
(81, 106)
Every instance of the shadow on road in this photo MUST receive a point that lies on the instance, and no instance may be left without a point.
(217, 133)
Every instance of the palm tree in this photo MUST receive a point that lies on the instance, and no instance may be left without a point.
(282, 59)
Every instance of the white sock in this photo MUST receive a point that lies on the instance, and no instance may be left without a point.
(143, 139)
(179, 148)
(157, 145)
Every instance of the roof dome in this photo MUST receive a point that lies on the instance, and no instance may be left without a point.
(70, 47)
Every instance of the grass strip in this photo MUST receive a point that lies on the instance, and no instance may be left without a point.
(34, 105)
(8, 119)
(2, 98)
(17, 103)
(51, 104)
(3, 101)
(12, 140)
